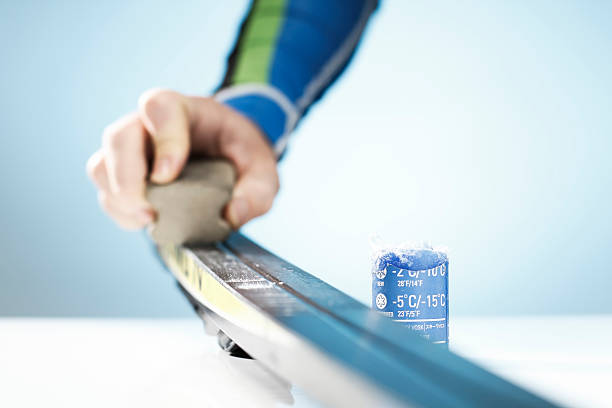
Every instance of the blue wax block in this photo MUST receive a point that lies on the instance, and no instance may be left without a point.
(410, 285)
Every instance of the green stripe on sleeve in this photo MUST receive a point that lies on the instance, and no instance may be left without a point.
(257, 46)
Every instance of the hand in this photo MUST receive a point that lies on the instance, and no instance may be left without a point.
(167, 128)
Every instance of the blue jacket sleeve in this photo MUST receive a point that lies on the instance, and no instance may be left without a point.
(288, 52)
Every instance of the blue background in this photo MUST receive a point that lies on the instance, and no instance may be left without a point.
(483, 126)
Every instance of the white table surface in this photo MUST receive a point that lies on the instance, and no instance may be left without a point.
(172, 363)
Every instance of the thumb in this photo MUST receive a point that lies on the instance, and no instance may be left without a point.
(164, 115)
(253, 194)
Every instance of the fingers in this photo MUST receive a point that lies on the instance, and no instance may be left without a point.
(119, 172)
(96, 170)
(120, 169)
(253, 195)
(124, 149)
(243, 143)
(126, 220)
(165, 117)
(220, 131)
(172, 124)
(125, 212)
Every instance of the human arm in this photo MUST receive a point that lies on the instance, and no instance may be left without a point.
(275, 73)
(287, 54)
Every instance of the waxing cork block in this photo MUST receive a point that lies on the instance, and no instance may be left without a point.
(190, 209)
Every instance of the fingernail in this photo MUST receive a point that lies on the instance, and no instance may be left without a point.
(238, 212)
(162, 167)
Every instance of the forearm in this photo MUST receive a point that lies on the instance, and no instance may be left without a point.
(287, 54)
